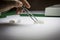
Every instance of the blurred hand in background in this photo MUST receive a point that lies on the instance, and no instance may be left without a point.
(6, 5)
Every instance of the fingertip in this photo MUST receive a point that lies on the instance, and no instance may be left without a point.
(26, 3)
(20, 4)
(29, 7)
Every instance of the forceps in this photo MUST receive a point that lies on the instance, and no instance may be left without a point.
(30, 14)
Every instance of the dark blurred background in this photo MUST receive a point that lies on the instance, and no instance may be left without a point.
(42, 4)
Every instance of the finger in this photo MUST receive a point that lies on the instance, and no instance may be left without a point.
(19, 10)
(25, 2)
(18, 4)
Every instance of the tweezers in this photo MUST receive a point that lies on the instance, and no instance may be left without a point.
(30, 14)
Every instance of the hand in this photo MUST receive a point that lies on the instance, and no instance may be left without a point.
(7, 5)
(20, 4)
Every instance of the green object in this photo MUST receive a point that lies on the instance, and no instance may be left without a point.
(38, 15)
(4, 14)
